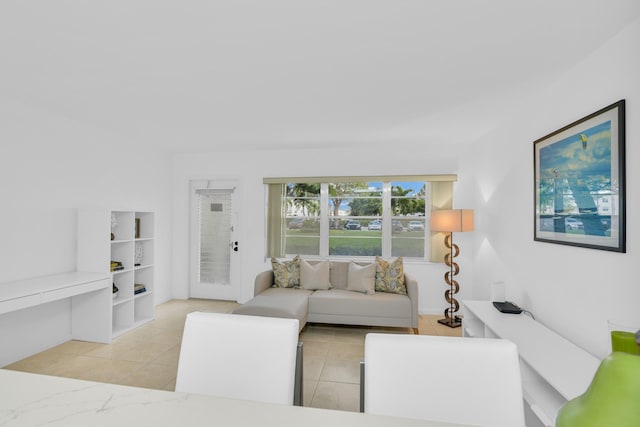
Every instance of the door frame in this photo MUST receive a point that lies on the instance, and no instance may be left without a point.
(234, 291)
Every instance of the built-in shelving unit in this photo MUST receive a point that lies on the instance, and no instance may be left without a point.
(554, 370)
(121, 243)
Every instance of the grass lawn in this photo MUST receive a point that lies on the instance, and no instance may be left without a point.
(355, 243)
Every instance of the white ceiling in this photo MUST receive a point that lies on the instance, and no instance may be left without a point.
(195, 75)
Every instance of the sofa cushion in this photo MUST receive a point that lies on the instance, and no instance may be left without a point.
(286, 274)
(316, 276)
(288, 303)
(361, 278)
(390, 276)
(343, 302)
(339, 273)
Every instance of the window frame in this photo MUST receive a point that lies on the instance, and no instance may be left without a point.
(438, 195)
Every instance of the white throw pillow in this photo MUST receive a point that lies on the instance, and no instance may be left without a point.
(314, 277)
(362, 278)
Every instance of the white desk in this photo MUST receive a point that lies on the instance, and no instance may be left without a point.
(31, 399)
(554, 370)
(32, 312)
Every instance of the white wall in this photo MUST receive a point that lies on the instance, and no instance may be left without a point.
(253, 166)
(49, 167)
(572, 290)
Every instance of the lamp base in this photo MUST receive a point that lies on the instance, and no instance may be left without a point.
(452, 323)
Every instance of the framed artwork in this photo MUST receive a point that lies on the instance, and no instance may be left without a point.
(579, 182)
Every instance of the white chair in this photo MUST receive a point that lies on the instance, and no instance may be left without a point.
(241, 357)
(459, 380)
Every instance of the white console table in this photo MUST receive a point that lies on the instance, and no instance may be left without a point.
(51, 309)
(28, 400)
(554, 370)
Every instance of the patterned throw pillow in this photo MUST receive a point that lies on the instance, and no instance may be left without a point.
(286, 274)
(390, 276)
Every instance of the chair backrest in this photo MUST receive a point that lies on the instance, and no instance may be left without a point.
(460, 380)
(238, 356)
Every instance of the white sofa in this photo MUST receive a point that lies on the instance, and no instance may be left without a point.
(336, 305)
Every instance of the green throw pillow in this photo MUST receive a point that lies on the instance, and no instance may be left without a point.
(390, 276)
(286, 274)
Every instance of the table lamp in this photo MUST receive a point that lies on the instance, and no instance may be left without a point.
(450, 221)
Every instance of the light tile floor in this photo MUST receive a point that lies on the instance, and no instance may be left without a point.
(148, 356)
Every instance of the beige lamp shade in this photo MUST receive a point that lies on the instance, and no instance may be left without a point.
(450, 221)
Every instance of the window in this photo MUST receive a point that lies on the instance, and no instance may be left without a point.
(355, 216)
(408, 206)
(352, 206)
(302, 216)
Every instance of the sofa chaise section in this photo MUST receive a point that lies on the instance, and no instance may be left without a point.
(286, 303)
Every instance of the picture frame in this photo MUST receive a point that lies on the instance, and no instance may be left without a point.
(579, 182)
(137, 232)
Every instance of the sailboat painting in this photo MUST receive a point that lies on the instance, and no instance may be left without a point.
(580, 182)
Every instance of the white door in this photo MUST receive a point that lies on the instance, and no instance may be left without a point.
(215, 248)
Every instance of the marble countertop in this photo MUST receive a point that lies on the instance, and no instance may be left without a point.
(38, 400)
